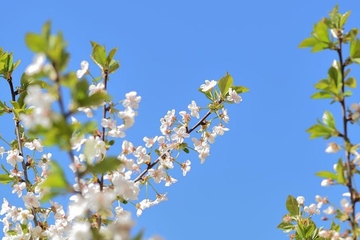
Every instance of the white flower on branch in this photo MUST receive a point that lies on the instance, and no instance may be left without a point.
(131, 100)
(233, 96)
(84, 69)
(208, 85)
(14, 157)
(194, 109)
(37, 64)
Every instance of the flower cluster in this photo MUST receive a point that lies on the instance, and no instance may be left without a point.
(103, 185)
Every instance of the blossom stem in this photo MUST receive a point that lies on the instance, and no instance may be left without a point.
(18, 137)
(150, 166)
(349, 174)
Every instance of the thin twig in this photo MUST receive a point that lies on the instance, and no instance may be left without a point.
(150, 166)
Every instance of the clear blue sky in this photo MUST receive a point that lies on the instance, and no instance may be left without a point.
(167, 49)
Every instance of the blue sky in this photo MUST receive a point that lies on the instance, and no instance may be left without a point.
(167, 49)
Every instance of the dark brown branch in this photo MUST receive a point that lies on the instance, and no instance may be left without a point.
(21, 153)
(352, 191)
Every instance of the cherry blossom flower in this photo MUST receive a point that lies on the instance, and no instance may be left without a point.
(300, 200)
(37, 64)
(128, 117)
(220, 130)
(31, 200)
(157, 174)
(108, 123)
(326, 182)
(332, 148)
(141, 206)
(14, 157)
(224, 116)
(321, 200)
(24, 216)
(80, 230)
(185, 116)
(40, 103)
(208, 85)
(180, 134)
(118, 131)
(142, 156)
(312, 209)
(18, 188)
(5, 207)
(169, 180)
(194, 109)
(94, 148)
(186, 167)
(127, 147)
(2, 151)
(204, 153)
(149, 142)
(96, 88)
(233, 96)
(125, 187)
(347, 207)
(84, 68)
(131, 100)
(34, 145)
(329, 210)
(87, 111)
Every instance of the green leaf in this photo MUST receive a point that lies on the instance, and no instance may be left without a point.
(93, 44)
(69, 80)
(55, 182)
(347, 93)
(46, 30)
(99, 56)
(56, 178)
(94, 100)
(113, 67)
(344, 18)
(111, 56)
(319, 47)
(35, 43)
(107, 164)
(322, 95)
(5, 178)
(340, 172)
(225, 83)
(139, 236)
(350, 82)
(308, 42)
(240, 89)
(321, 32)
(328, 119)
(326, 174)
(286, 227)
(322, 84)
(319, 130)
(355, 50)
(9, 62)
(335, 226)
(292, 206)
(208, 94)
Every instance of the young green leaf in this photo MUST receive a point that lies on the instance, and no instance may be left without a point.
(326, 174)
(5, 179)
(225, 83)
(35, 42)
(328, 119)
(292, 206)
(107, 164)
(350, 82)
(99, 56)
